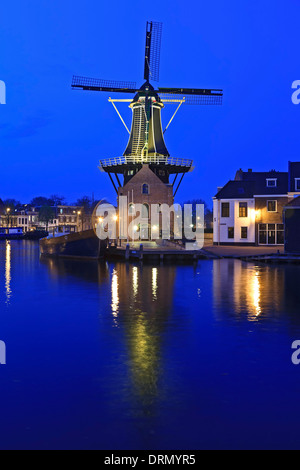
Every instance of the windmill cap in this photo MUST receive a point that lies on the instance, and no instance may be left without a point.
(146, 88)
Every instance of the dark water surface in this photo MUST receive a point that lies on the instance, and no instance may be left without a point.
(116, 356)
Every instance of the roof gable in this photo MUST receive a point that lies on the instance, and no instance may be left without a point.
(145, 175)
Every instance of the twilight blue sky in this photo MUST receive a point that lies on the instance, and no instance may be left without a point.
(51, 138)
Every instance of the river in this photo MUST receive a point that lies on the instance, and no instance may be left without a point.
(119, 356)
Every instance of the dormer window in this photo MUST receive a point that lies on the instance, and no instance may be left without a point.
(272, 183)
(297, 184)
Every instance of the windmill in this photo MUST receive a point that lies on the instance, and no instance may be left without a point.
(146, 144)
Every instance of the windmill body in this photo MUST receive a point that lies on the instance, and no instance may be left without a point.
(146, 165)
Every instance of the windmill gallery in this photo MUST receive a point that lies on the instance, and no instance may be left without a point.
(146, 174)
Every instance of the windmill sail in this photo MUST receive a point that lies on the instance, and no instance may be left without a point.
(152, 51)
(146, 143)
(95, 84)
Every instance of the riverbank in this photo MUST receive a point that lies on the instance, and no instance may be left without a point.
(243, 251)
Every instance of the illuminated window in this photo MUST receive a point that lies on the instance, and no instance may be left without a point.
(243, 209)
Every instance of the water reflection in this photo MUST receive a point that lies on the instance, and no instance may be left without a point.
(115, 294)
(141, 300)
(135, 280)
(154, 283)
(88, 271)
(8, 271)
(255, 291)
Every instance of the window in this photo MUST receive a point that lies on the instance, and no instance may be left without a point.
(244, 233)
(131, 209)
(243, 209)
(145, 211)
(231, 232)
(262, 234)
(271, 182)
(297, 184)
(225, 209)
(145, 189)
(272, 206)
(280, 234)
(271, 234)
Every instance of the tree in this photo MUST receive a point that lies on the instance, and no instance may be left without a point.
(46, 215)
(2, 208)
(11, 204)
(85, 202)
(40, 201)
(57, 200)
(208, 214)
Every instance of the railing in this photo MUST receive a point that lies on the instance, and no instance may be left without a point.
(159, 160)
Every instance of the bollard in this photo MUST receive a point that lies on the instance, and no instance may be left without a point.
(127, 252)
(141, 252)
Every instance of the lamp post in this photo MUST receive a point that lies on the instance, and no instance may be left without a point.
(79, 214)
(7, 213)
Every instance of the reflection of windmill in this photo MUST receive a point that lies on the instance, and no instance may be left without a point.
(146, 143)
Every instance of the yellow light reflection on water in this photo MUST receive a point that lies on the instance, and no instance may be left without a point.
(115, 294)
(154, 282)
(257, 294)
(135, 281)
(8, 271)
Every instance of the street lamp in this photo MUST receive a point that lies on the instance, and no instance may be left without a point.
(79, 214)
(8, 212)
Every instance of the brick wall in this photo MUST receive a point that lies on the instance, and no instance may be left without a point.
(159, 193)
(265, 217)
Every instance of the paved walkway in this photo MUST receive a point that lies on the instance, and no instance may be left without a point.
(243, 250)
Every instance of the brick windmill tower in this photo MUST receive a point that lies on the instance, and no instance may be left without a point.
(146, 173)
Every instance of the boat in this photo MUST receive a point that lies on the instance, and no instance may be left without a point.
(83, 245)
(11, 233)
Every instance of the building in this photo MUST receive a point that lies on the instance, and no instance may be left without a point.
(249, 209)
(146, 173)
(292, 226)
(65, 219)
(146, 188)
